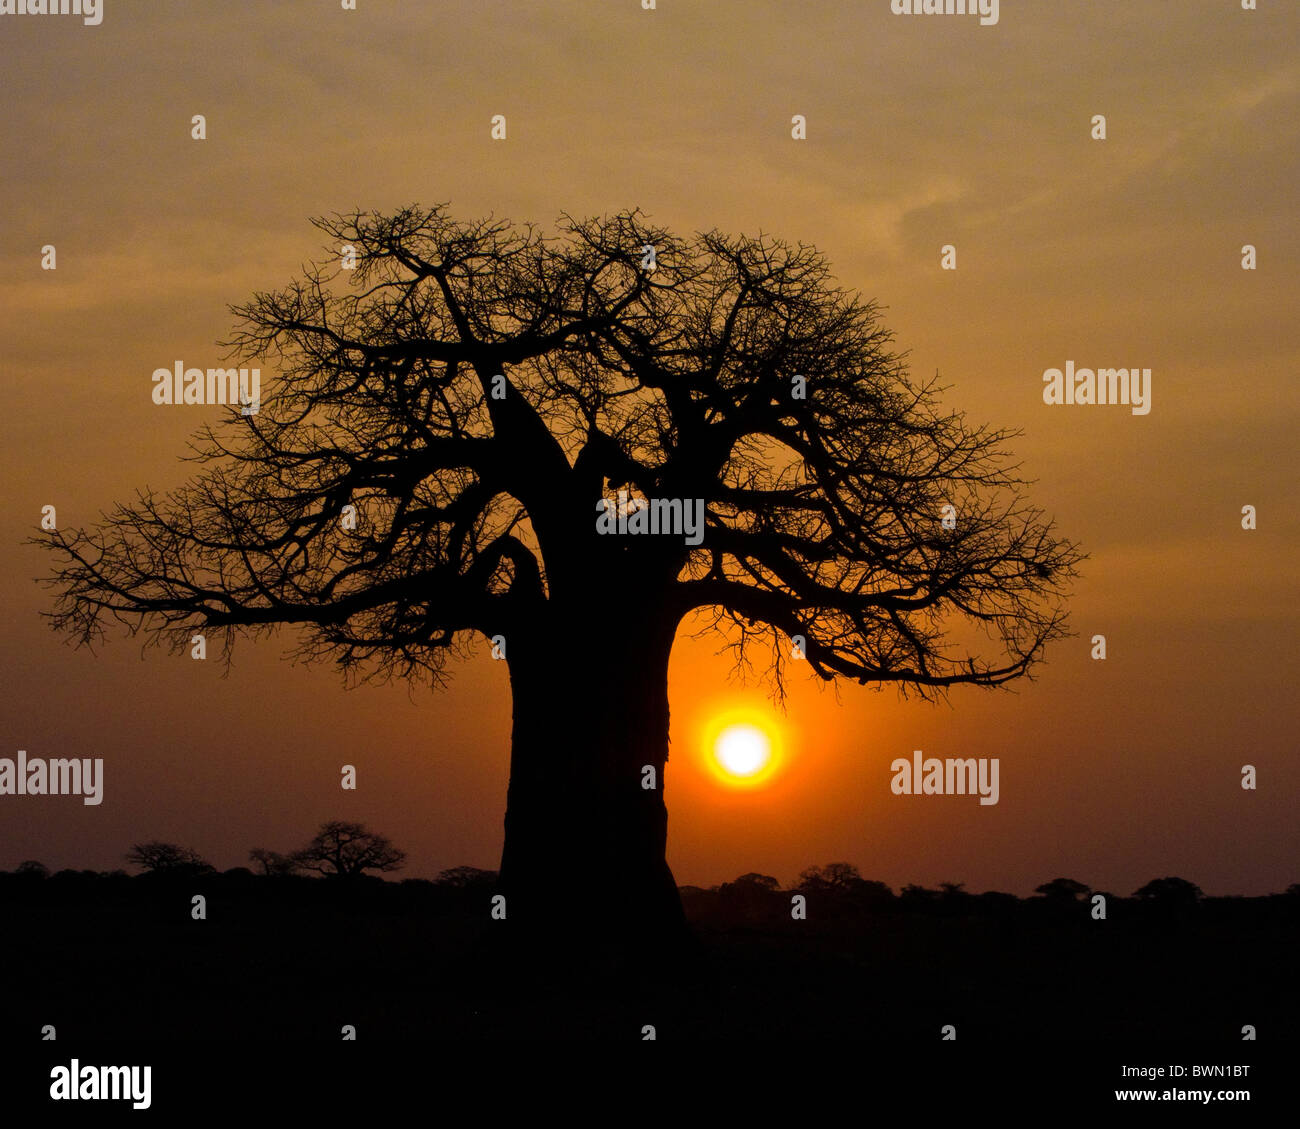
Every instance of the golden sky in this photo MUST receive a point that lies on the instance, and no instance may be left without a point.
(921, 131)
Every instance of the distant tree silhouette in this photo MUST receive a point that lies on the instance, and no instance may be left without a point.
(168, 858)
(750, 899)
(347, 850)
(918, 897)
(33, 869)
(869, 890)
(1065, 889)
(471, 393)
(841, 876)
(1293, 890)
(997, 903)
(1170, 892)
(954, 899)
(463, 877)
(272, 863)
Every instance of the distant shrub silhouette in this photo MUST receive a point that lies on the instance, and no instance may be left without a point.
(997, 903)
(751, 898)
(33, 869)
(912, 895)
(465, 877)
(1170, 892)
(869, 890)
(1063, 889)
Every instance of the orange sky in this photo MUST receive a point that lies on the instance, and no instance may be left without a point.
(922, 131)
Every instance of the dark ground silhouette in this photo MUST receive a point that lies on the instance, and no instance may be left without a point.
(114, 956)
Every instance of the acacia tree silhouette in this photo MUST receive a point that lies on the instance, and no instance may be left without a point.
(474, 390)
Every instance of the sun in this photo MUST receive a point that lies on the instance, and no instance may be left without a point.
(742, 750)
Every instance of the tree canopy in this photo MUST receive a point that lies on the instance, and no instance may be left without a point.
(342, 849)
(473, 390)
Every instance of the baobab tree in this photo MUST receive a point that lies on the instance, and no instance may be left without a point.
(457, 410)
(347, 850)
(158, 857)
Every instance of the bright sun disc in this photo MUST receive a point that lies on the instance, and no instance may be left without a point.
(743, 750)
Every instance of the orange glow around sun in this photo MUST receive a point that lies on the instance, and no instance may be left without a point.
(742, 749)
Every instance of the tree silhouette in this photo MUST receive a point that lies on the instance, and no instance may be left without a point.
(754, 881)
(1170, 892)
(273, 864)
(832, 876)
(347, 850)
(751, 898)
(466, 877)
(1062, 889)
(167, 858)
(455, 417)
(32, 868)
(918, 897)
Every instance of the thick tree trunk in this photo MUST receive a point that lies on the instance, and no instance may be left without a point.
(586, 826)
